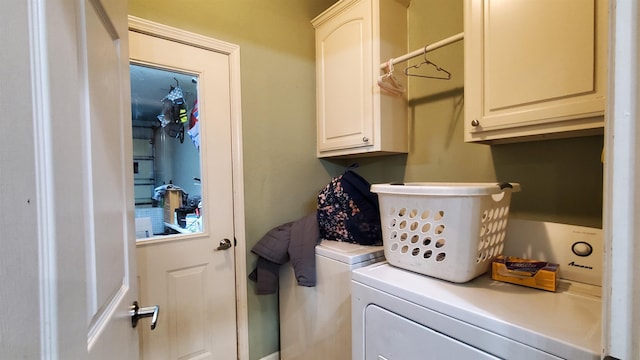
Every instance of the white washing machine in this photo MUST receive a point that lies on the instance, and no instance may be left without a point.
(402, 315)
(315, 322)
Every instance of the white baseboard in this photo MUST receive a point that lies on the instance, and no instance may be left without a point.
(274, 356)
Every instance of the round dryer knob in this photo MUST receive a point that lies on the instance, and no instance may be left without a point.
(582, 248)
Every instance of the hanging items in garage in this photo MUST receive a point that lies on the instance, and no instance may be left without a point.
(194, 125)
(174, 112)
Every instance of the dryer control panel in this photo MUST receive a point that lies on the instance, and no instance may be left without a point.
(577, 249)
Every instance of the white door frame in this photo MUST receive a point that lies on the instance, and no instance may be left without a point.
(621, 219)
(233, 52)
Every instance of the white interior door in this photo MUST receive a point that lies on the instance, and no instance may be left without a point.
(86, 237)
(109, 234)
(185, 274)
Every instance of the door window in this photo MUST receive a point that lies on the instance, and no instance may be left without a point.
(166, 151)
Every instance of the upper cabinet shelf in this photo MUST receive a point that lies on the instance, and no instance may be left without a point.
(354, 117)
(534, 68)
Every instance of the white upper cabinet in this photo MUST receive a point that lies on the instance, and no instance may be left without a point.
(534, 68)
(354, 117)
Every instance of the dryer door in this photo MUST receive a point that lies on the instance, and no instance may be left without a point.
(389, 336)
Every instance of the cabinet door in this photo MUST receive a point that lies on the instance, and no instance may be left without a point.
(534, 67)
(344, 81)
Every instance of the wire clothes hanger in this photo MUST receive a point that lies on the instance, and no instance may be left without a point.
(445, 76)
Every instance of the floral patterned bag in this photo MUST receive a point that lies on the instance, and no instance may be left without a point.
(348, 211)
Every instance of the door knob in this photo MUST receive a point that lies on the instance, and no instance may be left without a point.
(224, 244)
(137, 313)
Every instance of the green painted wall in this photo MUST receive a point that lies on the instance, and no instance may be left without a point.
(282, 174)
(561, 179)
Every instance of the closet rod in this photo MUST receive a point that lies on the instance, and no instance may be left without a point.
(430, 47)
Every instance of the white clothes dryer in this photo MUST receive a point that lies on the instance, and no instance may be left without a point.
(402, 315)
(315, 322)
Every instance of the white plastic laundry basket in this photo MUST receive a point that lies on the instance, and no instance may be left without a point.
(450, 231)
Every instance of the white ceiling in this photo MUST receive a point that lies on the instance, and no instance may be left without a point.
(149, 86)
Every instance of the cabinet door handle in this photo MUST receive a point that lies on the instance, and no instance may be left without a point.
(365, 139)
(475, 122)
